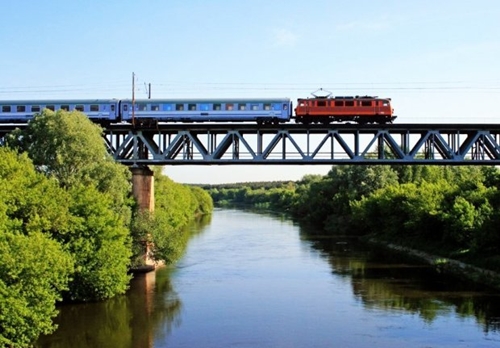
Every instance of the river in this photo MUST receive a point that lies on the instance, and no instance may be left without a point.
(257, 280)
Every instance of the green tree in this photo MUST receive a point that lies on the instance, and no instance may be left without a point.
(34, 269)
(68, 147)
(100, 243)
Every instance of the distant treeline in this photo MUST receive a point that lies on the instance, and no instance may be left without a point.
(451, 211)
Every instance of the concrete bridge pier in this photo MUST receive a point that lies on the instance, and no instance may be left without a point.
(144, 193)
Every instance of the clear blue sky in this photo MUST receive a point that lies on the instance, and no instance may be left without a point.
(439, 61)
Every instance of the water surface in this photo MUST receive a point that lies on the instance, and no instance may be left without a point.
(250, 280)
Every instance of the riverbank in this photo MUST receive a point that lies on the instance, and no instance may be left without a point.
(445, 265)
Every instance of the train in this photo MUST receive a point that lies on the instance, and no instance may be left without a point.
(145, 112)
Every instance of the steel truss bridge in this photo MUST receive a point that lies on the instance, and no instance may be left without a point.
(221, 144)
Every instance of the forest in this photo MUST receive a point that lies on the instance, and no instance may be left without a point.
(450, 211)
(70, 229)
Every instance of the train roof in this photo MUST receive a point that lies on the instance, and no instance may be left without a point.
(348, 97)
(209, 100)
(57, 101)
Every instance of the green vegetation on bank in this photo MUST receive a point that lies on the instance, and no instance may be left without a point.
(451, 211)
(175, 207)
(69, 223)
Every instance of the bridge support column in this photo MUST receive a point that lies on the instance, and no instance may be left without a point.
(143, 188)
(144, 193)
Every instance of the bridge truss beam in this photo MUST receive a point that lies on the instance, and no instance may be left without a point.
(465, 144)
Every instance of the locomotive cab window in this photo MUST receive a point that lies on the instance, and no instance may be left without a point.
(21, 108)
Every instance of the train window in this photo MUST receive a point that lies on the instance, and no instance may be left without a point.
(321, 103)
(229, 107)
(242, 107)
(276, 107)
(125, 107)
(217, 107)
(205, 107)
(155, 107)
(366, 103)
(192, 107)
(5, 108)
(21, 108)
(112, 107)
(386, 103)
(254, 107)
(94, 107)
(168, 107)
(179, 107)
(65, 107)
(35, 108)
(142, 107)
(349, 103)
(267, 106)
(79, 107)
(51, 107)
(339, 103)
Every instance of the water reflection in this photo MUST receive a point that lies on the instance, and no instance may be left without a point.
(386, 281)
(124, 321)
(262, 281)
(149, 310)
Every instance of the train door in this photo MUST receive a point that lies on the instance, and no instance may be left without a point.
(377, 106)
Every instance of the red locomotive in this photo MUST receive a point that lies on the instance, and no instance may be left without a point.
(360, 109)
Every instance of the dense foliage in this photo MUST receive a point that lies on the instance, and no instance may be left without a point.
(34, 268)
(66, 216)
(68, 148)
(453, 211)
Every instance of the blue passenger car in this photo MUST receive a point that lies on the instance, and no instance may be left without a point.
(21, 111)
(207, 110)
